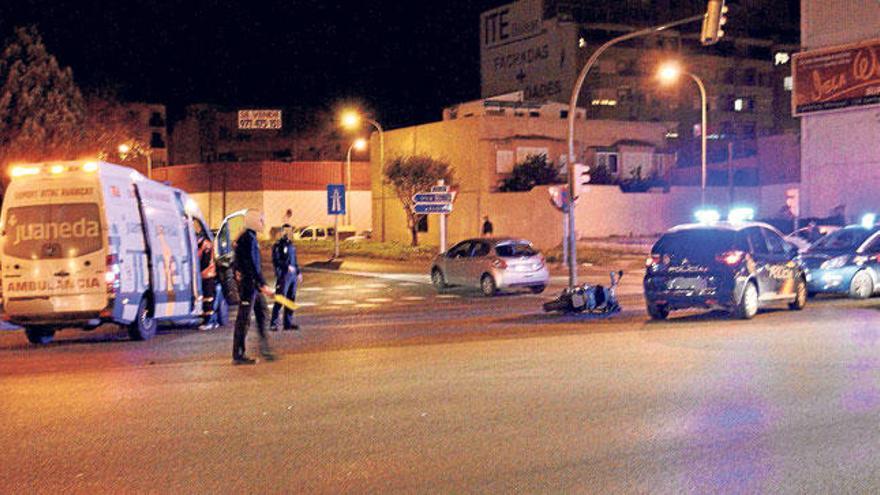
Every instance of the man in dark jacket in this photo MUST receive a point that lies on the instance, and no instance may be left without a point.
(252, 287)
(209, 278)
(286, 277)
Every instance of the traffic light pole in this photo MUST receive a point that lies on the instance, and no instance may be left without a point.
(572, 108)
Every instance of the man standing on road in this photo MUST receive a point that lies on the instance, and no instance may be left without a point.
(252, 287)
(209, 278)
(488, 229)
(287, 277)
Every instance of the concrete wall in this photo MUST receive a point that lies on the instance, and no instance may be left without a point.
(840, 150)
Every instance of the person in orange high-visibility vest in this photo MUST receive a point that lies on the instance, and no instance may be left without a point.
(209, 279)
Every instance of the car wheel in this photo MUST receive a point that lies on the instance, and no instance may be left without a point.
(748, 304)
(862, 286)
(537, 289)
(487, 285)
(39, 335)
(144, 325)
(800, 295)
(438, 280)
(658, 311)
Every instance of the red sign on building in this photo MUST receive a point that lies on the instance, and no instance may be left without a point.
(835, 78)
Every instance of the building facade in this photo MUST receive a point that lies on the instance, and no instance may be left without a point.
(837, 98)
(538, 47)
(152, 124)
(484, 140)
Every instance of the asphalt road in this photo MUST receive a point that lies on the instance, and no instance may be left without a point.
(390, 387)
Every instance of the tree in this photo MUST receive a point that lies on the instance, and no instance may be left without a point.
(413, 174)
(41, 110)
(534, 171)
(108, 124)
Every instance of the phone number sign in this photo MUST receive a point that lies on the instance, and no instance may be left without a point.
(259, 119)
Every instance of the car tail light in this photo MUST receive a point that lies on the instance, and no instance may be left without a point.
(499, 263)
(731, 258)
(652, 260)
(111, 276)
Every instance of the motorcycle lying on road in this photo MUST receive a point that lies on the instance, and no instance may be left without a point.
(595, 299)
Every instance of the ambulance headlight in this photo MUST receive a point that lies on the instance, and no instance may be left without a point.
(90, 167)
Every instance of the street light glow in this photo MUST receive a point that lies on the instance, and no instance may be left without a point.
(669, 72)
(360, 144)
(124, 148)
(350, 119)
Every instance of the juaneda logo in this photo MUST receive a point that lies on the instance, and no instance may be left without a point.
(51, 231)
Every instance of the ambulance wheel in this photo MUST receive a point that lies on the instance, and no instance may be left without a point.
(144, 326)
(39, 335)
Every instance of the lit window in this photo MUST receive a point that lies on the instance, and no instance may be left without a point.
(738, 105)
(604, 103)
(781, 58)
(787, 83)
(582, 42)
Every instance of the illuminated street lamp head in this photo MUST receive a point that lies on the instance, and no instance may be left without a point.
(124, 148)
(360, 144)
(350, 119)
(669, 72)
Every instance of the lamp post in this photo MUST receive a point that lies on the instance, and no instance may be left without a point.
(669, 73)
(351, 119)
(359, 144)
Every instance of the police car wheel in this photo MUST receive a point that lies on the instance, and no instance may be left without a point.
(437, 279)
(487, 285)
(39, 335)
(862, 286)
(144, 326)
(658, 311)
(748, 304)
(800, 298)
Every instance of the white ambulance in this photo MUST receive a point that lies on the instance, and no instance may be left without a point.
(86, 243)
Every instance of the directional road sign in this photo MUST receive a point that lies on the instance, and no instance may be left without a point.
(432, 197)
(423, 208)
(335, 199)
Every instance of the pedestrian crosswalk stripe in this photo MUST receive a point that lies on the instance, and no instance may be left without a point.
(342, 287)
(376, 286)
(365, 305)
(447, 296)
(413, 298)
(304, 304)
(379, 299)
(312, 289)
(343, 302)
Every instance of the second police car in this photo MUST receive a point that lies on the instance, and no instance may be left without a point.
(738, 266)
(846, 261)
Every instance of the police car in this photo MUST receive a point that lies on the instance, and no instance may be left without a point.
(738, 266)
(846, 261)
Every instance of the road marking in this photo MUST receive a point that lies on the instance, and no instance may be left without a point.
(408, 284)
(343, 287)
(376, 286)
(305, 304)
(447, 296)
(312, 289)
(343, 302)
(379, 299)
(413, 298)
(366, 305)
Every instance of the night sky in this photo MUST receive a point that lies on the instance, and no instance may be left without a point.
(404, 60)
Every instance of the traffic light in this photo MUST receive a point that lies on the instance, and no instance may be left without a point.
(716, 17)
(581, 176)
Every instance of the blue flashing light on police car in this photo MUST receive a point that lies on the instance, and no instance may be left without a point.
(741, 214)
(868, 220)
(707, 215)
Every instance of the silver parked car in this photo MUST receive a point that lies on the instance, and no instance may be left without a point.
(491, 264)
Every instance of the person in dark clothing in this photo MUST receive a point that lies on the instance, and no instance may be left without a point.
(287, 276)
(252, 287)
(488, 229)
(209, 278)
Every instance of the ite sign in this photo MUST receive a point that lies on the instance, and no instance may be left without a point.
(520, 51)
(259, 119)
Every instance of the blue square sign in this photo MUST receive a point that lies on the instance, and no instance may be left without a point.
(335, 199)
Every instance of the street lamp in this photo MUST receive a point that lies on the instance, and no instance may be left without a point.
(359, 144)
(351, 119)
(125, 148)
(668, 74)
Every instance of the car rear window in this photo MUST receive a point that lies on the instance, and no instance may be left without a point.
(515, 250)
(697, 244)
(53, 231)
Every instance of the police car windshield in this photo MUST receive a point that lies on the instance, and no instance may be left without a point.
(843, 239)
(697, 245)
